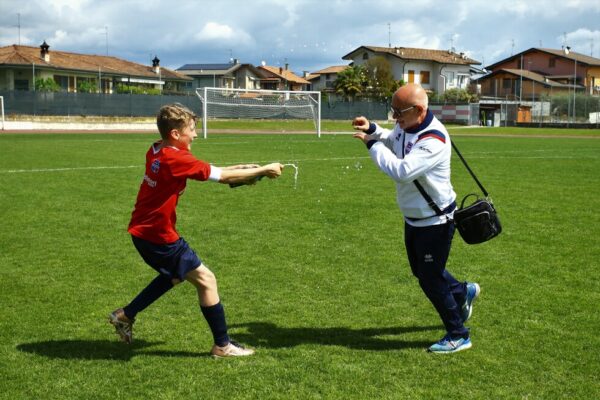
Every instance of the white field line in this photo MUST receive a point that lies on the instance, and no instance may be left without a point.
(296, 160)
(18, 171)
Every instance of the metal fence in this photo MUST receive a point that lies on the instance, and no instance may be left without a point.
(569, 109)
(344, 110)
(564, 110)
(139, 105)
(89, 104)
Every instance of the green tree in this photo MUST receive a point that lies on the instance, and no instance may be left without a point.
(122, 88)
(350, 82)
(87, 86)
(456, 95)
(381, 82)
(46, 85)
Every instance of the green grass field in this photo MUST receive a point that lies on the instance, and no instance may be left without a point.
(312, 274)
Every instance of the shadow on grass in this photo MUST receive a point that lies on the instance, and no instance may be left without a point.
(263, 334)
(98, 350)
(266, 334)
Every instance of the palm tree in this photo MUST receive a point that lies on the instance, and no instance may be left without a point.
(350, 81)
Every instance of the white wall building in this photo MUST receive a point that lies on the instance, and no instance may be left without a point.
(435, 70)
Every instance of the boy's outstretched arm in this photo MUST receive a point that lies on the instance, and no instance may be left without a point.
(247, 175)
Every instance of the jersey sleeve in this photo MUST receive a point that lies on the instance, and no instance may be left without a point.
(185, 165)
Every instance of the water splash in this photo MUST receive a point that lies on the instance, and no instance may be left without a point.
(295, 173)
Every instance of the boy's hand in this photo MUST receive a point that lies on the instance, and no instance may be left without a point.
(273, 170)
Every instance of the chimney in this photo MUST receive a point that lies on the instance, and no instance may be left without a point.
(280, 71)
(286, 66)
(236, 61)
(156, 65)
(45, 52)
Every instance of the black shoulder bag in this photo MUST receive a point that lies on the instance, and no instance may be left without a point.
(477, 222)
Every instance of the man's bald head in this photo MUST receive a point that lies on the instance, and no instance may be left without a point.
(410, 105)
(412, 94)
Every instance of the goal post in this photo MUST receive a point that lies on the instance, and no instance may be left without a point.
(229, 103)
(1, 112)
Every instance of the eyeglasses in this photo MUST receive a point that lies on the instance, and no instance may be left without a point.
(399, 113)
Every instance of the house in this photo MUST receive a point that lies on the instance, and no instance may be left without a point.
(506, 83)
(22, 66)
(323, 80)
(233, 75)
(279, 78)
(435, 70)
(542, 70)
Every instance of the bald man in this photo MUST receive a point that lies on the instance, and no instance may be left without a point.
(416, 155)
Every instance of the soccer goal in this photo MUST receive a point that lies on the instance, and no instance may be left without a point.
(259, 104)
(1, 112)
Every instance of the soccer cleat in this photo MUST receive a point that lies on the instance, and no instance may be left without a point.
(123, 328)
(447, 345)
(231, 349)
(473, 291)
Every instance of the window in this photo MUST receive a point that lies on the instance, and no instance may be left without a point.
(62, 81)
(506, 83)
(365, 56)
(21, 84)
(411, 76)
(450, 79)
(424, 77)
(552, 62)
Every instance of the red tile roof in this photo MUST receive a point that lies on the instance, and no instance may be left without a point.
(329, 70)
(283, 74)
(410, 53)
(27, 55)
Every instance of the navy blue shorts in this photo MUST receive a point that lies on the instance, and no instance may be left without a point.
(173, 259)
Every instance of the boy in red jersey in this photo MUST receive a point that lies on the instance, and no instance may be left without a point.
(169, 164)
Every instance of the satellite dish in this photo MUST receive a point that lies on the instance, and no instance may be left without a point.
(263, 63)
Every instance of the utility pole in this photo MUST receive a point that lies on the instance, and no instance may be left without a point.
(19, 26)
(521, 81)
(106, 33)
(389, 35)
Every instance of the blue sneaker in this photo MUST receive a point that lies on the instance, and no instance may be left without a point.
(446, 345)
(473, 291)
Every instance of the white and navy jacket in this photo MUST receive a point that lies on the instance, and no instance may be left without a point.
(422, 153)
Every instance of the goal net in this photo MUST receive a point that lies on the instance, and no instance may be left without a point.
(259, 104)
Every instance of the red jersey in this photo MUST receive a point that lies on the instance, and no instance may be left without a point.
(167, 170)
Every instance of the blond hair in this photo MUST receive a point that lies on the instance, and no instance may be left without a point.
(173, 116)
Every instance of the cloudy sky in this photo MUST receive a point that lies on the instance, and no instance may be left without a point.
(306, 34)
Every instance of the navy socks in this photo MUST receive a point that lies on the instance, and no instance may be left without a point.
(155, 289)
(215, 316)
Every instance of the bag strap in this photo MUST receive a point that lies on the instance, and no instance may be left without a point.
(485, 193)
(428, 198)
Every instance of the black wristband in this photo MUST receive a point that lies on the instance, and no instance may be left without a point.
(372, 128)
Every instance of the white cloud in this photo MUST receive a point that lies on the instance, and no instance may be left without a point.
(213, 31)
(305, 33)
(60, 38)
